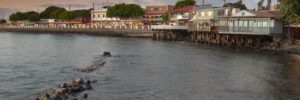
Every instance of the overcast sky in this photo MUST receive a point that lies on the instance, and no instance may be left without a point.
(39, 5)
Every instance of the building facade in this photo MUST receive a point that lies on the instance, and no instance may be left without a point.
(251, 23)
(206, 19)
(153, 14)
(99, 18)
(78, 21)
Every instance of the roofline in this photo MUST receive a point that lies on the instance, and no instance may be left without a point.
(157, 5)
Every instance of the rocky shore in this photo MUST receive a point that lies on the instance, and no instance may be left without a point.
(99, 32)
(66, 91)
(70, 90)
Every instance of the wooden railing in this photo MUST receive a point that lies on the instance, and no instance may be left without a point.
(169, 27)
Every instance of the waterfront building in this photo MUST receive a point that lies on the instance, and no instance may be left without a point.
(251, 23)
(46, 22)
(181, 16)
(206, 19)
(78, 21)
(99, 18)
(153, 14)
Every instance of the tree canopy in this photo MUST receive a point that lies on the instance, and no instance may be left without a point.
(183, 3)
(260, 4)
(238, 4)
(125, 11)
(165, 17)
(57, 12)
(34, 17)
(67, 15)
(289, 11)
(2, 21)
(18, 16)
(47, 12)
(82, 13)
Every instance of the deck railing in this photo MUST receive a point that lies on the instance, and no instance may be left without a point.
(169, 27)
(250, 30)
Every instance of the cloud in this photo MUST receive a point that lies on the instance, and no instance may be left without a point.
(75, 5)
(249, 3)
(5, 12)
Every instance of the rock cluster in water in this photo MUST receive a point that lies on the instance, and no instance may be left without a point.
(106, 54)
(93, 67)
(99, 63)
(63, 91)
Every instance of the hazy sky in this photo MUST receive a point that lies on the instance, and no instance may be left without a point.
(8, 6)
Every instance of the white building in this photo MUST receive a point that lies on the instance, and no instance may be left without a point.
(251, 23)
(99, 18)
(206, 19)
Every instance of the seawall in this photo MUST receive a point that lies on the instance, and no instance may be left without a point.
(137, 33)
(260, 43)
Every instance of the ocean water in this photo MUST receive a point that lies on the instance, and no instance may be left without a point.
(143, 69)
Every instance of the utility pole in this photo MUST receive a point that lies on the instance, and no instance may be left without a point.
(3, 17)
(70, 7)
(93, 6)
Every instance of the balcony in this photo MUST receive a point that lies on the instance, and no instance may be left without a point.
(168, 27)
(151, 19)
(244, 30)
(180, 17)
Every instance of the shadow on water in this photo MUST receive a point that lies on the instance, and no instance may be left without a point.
(291, 76)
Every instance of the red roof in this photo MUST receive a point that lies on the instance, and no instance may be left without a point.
(186, 8)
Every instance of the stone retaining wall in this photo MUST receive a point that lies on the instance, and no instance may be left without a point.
(100, 32)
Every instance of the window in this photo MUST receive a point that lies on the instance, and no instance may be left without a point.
(245, 23)
(265, 24)
(202, 13)
(151, 9)
(103, 15)
(98, 15)
(251, 23)
(241, 23)
(259, 23)
(93, 15)
(209, 13)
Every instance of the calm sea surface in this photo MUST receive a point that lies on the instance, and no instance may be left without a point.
(142, 69)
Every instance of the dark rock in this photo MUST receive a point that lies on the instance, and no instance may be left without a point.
(94, 81)
(84, 95)
(88, 86)
(88, 82)
(106, 54)
(93, 67)
(64, 85)
(60, 91)
(35, 99)
(79, 80)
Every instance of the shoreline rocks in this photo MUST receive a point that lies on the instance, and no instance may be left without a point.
(65, 90)
(93, 67)
(106, 54)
